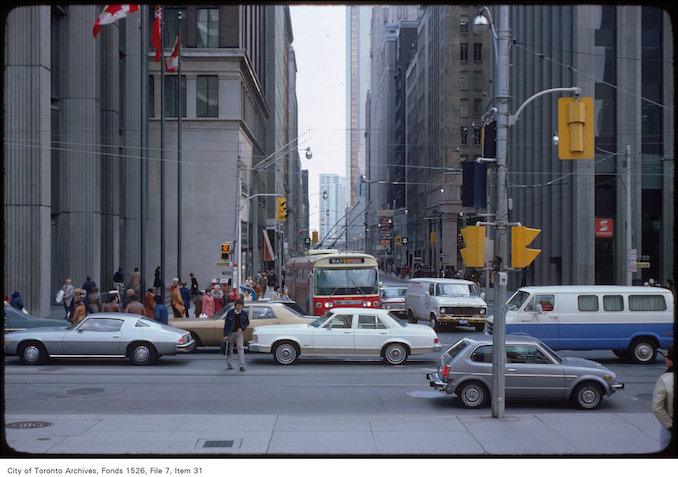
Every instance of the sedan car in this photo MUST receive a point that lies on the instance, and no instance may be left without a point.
(533, 371)
(100, 335)
(210, 331)
(346, 332)
(393, 299)
(17, 321)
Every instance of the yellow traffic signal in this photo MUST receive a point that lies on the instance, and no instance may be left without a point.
(474, 253)
(521, 256)
(281, 210)
(314, 237)
(225, 251)
(575, 128)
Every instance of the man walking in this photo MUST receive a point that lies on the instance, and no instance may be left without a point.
(235, 323)
(662, 400)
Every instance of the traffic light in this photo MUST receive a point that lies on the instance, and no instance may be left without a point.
(314, 237)
(281, 210)
(225, 251)
(575, 128)
(474, 238)
(521, 256)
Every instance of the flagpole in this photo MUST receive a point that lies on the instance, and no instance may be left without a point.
(162, 157)
(179, 207)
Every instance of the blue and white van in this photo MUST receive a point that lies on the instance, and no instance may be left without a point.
(631, 321)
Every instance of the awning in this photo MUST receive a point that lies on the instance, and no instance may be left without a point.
(267, 251)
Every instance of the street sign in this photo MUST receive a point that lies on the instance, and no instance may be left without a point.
(643, 264)
(223, 264)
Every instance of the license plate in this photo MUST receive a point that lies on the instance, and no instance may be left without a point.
(463, 322)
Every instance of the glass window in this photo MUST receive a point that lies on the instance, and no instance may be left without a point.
(613, 303)
(477, 80)
(463, 80)
(102, 324)
(517, 300)
(262, 312)
(587, 302)
(463, 135)
(208, 28)
(367, 322)
(647, 303)
(482, 354)
(477, 136)
(463, 107)
(346, 282)
(341, 321)
(463, 52)
(544, 303)
(525, 354)
(171, 96)
(477, 106)
(477, 52)
(463, 24)
(207, 96)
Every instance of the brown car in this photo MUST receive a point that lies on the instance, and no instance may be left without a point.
(210, 331)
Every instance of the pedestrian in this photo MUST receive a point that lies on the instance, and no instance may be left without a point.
(662, 400)
(94, 300)
(195, 289)
(257, 289)
(118, 280)
(157, 282)
(149, 303)
(235, 323)
(135, 281)
(135, 307)
(79, 310)
(176, 301)
(69, 292)
(160, 310)
(175, 284)
(113, 303)
(128, 298)
(275, 294)
(197, 301)
(186, 297)
(286, 294)
(208, 303)
(16, 301)
(218, 295)
(89, 285)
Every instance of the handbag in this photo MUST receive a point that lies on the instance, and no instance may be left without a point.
(60, 296)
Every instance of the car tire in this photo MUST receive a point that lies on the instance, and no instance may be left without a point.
(434, 322)
(472, 394)
(395, 353)
(642, 351)
(142, 354)
(410, 317)
(588, 396)
(197, 343)
(32, 353)
(285, 353)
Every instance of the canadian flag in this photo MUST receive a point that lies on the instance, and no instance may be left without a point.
(156, 37)
(111, 14)
(172, 61)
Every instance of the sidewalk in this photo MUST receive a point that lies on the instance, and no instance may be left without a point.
(557, 434)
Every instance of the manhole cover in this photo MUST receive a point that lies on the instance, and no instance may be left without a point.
(85, 391)
(28, 424)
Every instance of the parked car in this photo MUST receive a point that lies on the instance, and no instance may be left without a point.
(17, 321)
(533, 371)
(346, 332)
(210, 331)
(445, 301)
(100, 335)
(393, 299)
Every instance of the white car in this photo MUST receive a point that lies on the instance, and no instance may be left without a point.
(347, 332)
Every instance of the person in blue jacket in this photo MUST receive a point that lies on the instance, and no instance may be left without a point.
(186, 296)
(160, 311)
(235, 322)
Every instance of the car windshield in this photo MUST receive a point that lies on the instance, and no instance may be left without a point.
(393, 292)
(517, 300)
(346, 282)
(449, 289)
(318, 323)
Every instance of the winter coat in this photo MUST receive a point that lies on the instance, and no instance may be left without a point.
(662, 400)
(208, 304)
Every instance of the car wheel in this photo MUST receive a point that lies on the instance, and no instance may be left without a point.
(197, 342)
(472, 394)
(588, 396)
(32, 353)
(142, 354)
(642, 351)
(395, 353)
(410, 317)
(285, 353)
(434, 322)
(479, 326)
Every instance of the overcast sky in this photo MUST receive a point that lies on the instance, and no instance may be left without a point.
(320, 48)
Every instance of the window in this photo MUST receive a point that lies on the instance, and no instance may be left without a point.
(369, 322)
(477, 136)
(262, 313)
(463, 80)
(477, 106)
(102, 325)
(208, 28)
(463, 135)
(482, 354)
(543, 303)
(463, 52)
(207, 96)
(477, 52)
(463, 107)
(526, 354)
(341, 321)
(613, 303)
(647, 303)
(171, 96)
(587, 302)
(478, 80)
(463, 24)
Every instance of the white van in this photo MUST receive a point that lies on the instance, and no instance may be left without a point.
(631, 321)
(445, 301)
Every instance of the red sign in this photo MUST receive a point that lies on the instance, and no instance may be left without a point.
(604, 228)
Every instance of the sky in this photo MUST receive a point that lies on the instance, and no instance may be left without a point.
(320, 49)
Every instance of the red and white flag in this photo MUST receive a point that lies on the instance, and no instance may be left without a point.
(156, 37)
(172, 61)
(111, 14)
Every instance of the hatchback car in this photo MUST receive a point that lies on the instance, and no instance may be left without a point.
(533, 371)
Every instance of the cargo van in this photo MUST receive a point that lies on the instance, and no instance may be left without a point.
(445, 301)
(630, 321)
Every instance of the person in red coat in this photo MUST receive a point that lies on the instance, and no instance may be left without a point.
(149, 304)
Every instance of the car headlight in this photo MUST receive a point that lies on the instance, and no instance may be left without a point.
(483, 311)
(442, 310)
(329, 304)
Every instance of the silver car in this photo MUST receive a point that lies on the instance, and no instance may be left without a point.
(533, 371)
(100, 335)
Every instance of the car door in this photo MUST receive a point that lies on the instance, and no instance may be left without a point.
(95, 336)
(531, 373)
(335, 336)
(370, 335)
(539, 318)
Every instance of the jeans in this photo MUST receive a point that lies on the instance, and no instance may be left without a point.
(236, 339)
